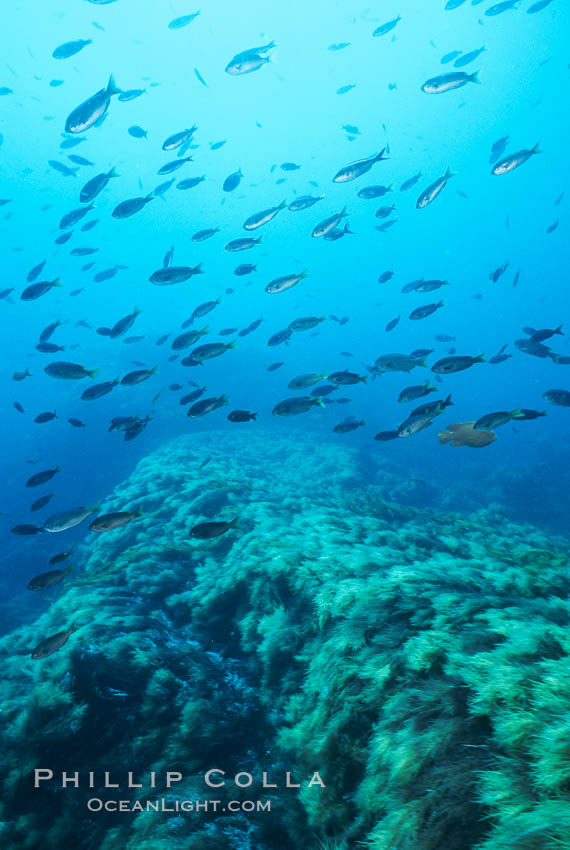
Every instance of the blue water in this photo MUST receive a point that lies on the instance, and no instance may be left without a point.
(287, 111)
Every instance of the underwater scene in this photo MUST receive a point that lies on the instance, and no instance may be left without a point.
(285, 425)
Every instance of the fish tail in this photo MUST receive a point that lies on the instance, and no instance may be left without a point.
(364, 379)
(198, 269)
(92, 373)
(234, 523)
(536, 148)
(474, 77)
(448, 402)
(282, 205)
(68, 570)
(516, 413)
(343, 213)
(254, 416)
(421, 362)
(224, 399)
(56, 282)
(154, 370)
(449, 173)
(205, 330)
(558, 330)
(112, 87)
(232, 344)
(112, 173)
(305, 274)
(380, 156)
(444, 437)
(480, 358)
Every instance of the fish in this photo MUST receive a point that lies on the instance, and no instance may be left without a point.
(71, 218)
(413, 424)
(328, 224)
(525, 414)
(432, 408)
(448, 82)
(68, 519)
(296, 405)
(308, 380)
(61, 556)
(280, 284)
(200, 78)
(386, 276)
(538, 7)
(202, 235)
(187, 339)
(280, 337)
(433, 190)
(190, 183)
(70, 48)
(96, 185)
(69, 371)
(211, 530)
(138, 376)
(243, 244)
(397, 363)
(425, 311)
(42, 477)
(417, 391)
(464, 434)
(200, 311)
(383, 436)
(457, 363)
(545, 333)
(36, 290)
(429, 285)
(558, 397)
(34, 273)
(370, 192)
(494, 420)
(210, 350)
(207, 405)
(169, 275)
(130, 94)
(54, 642)
(232, 181)
(179, 138)
(383, 29)
(108, 522)
(62, 168)
(174, 165)
(306, 323)
(536, 349)
(274, 366)
(137, 132)
(76, 423)
(348, 425)
(43, 581)
(346, 378)
(514, 161)
(449, 57)
(384, 212)
(467, 58)
(49, 330)
(192, 396)
(133, 205)
(264, 217)
(392, 324)
(499, 8)
(182, 21)
(249, 60)
(92, 110)
(241, 416)
(346, 89)
(304, 202)
(358, 168)
(21, 376)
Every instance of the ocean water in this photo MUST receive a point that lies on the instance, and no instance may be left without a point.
(353, 620)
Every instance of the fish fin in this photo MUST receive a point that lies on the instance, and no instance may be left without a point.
(474, 77)
(112, 87)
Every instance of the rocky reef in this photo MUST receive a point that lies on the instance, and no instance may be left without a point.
(418, 661)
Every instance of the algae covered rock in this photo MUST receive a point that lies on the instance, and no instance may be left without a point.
(416, 662)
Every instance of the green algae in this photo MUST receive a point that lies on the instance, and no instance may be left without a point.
(417, 661)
